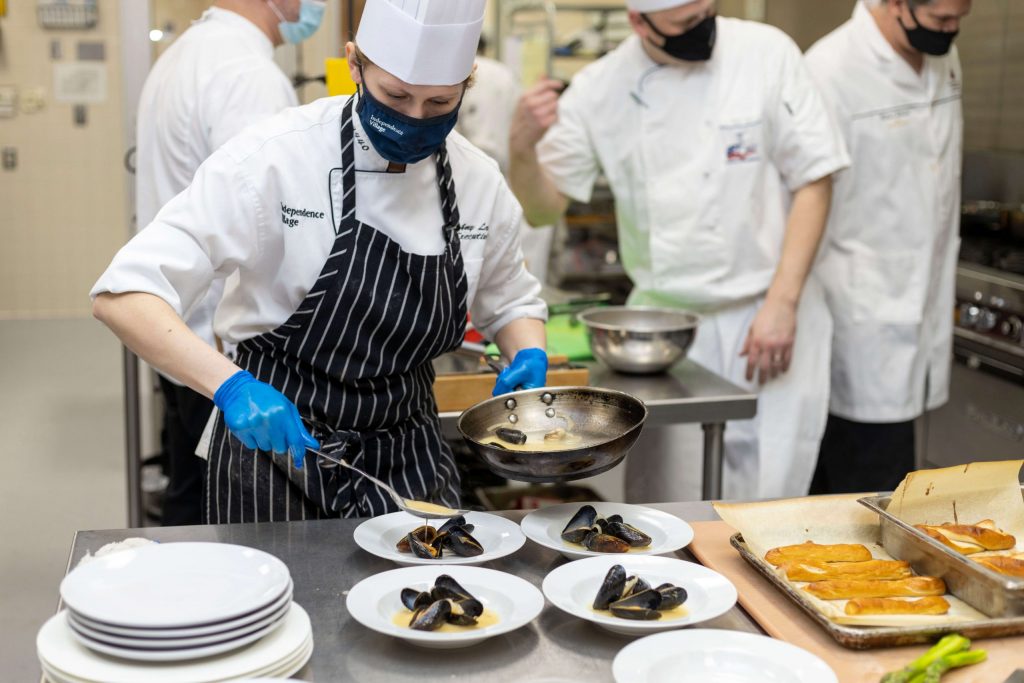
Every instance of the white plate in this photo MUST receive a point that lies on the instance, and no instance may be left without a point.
(175, 654)
(90, 634)
(378, 536)
(572, 588)
(668, 533)
(172, 585)
(59, 651)
(717, 656)
(228, 627)
(375, 601)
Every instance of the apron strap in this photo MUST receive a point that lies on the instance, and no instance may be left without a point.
(449, 202)
(348, 163)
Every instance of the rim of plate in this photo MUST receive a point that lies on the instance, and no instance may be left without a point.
(669, 646)
(57, 647)
(177, 654)
(562, 582)
(375, 537)
(180, 566)
(187, 632)
(365, 598)
(544, 527)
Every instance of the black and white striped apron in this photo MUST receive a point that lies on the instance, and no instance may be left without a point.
(355, 358)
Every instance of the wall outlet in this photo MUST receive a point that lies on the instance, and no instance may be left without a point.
(8, 101)
(9, 158)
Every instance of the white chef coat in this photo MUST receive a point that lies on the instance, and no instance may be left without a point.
(217, 78)
(889, 265)
(702, 158)
(486, 120)
(263, 209)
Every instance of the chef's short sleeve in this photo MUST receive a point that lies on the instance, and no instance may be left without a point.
(208, 231)
(807, 144)
(567, 152)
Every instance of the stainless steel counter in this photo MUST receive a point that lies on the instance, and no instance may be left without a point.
(687, 393)
(325, 563)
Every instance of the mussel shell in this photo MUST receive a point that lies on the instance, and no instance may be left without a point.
(423, 533)
(428, 551)
(445, 587)
(469, 607)
(431, 617)
(634, 584)
(453, 522)
(461, 543)
(604, 543)
(611, 588)
(613, 518)
(671, 596)
(629, 534)
(513, 436)
(580, 524)
(461, 620)
(642, 606)
(414, 599)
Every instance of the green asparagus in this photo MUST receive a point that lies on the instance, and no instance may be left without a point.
(949, 645)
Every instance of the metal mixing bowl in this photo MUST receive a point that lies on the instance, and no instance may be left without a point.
(605, 422)
(638, 339)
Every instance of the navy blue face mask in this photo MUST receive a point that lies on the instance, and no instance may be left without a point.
(399, 138)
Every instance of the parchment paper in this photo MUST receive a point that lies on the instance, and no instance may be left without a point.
(827, 519)
(965, 494)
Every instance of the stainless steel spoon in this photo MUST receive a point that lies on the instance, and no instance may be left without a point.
(413, 507)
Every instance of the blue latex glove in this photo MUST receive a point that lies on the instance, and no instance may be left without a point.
(528, 370)
(262, 418)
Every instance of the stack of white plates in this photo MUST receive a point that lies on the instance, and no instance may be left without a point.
(174, 603)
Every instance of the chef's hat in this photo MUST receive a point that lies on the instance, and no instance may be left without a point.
(655, 5)
(422, 42)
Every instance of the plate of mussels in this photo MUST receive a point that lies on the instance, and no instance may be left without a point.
(595, 529)
(475, 538)
(444, 608)
(638, 595)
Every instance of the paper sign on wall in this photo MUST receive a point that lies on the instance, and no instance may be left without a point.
(80, 82)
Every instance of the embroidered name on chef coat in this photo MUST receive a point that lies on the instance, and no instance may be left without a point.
(740, 150)
(291, 216)
(474, 232)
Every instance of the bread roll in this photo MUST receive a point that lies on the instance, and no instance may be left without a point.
(871, 569)
(1011, 566)
(839, 589)
(963, 548)
(984, 534)
(930, 605)
(813, 552)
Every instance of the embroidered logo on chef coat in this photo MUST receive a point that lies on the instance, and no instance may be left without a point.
(291, 216)
(741, 150)
(474, 232)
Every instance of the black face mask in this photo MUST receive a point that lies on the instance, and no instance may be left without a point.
(925, 39)
(694, 45)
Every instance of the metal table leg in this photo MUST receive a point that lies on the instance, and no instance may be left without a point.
(714, 453)
(133, 438)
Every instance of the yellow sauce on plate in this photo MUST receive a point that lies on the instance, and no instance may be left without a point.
(487, 618)
(582, 548)
(666, 615)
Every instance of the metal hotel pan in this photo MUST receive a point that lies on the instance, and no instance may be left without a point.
(995, 594)
(864, 637)
(608, 421)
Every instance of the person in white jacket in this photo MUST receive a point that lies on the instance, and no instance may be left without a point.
(216, 79)
(354, 235)
(719, 152)
(892, 77)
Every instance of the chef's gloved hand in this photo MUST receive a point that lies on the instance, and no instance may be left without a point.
(262, 418)
(528, 370)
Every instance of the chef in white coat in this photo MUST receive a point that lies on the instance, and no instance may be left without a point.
(719, 152)
(355, 234)
(893, 79)
(212, 82)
